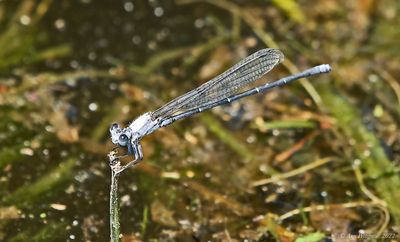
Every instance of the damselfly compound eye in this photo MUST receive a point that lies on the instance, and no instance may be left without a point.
(123, 140)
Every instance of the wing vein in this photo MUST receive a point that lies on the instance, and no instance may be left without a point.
(226, 84)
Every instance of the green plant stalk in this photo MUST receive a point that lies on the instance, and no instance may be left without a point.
(289, 124)
(21, 40)
(144, 222)
(157, 60)
(10, 154)
(114, 208)
(102, 127)
(163, 57)
(51, 232)
(231, 141)
(47, 79)
(312, 237)
(292, 10)
(54, 52)
(200, 50)
(225, 136)
(367, 149)
(28, 193)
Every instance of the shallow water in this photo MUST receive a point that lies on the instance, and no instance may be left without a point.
(70, 69)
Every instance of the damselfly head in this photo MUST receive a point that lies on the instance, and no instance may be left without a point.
(125, 138)
(127, 146)
(120, 136)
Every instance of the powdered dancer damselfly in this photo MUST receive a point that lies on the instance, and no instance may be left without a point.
(221, 90)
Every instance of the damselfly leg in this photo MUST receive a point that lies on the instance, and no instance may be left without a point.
(115, 159)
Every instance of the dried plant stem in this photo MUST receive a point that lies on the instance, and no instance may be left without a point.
(294, 172)
(375, 199)
(394, 84)
(114, 208)
(330, 206)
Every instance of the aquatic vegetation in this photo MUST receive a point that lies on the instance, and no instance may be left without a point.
(314, 160)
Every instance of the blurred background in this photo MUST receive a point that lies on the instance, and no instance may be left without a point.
(315, 160)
